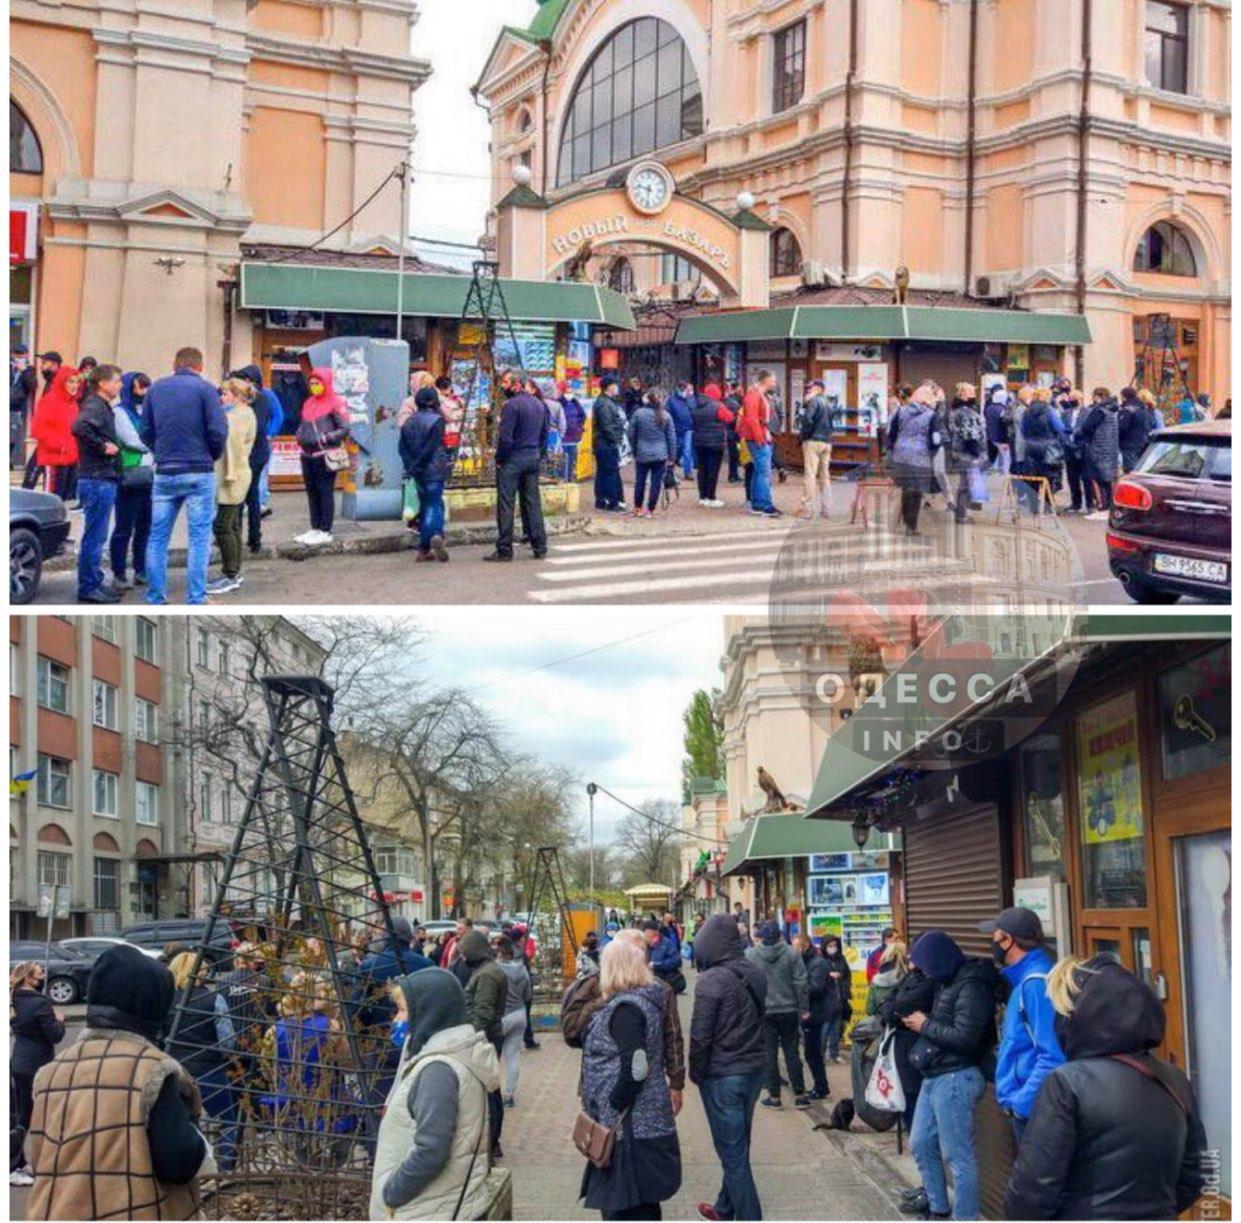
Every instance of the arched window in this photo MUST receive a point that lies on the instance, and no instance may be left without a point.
(525, 121)
(620, 276)
(639, 93)
(785, 254)
(1165, 249)
(25, 153)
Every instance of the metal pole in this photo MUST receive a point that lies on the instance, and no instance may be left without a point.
(591, 790)
(402, 230)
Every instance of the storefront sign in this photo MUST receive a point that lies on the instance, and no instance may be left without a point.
(286, 457)
(829, 350)
(23, 233)
(1108, 772)
(571, 240)
(1035, 894)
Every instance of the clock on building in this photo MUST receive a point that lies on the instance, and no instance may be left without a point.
(649, 187)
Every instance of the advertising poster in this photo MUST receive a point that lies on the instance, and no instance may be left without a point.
(829, 862)
(824, 924)
(872, 394)
(824, 891)
(873, 888)
(1109, 778)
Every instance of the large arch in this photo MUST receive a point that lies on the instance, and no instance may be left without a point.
(603, 18)
(1203, 240)
(61, 156)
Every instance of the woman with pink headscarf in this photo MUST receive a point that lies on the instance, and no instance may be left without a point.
(323, 428)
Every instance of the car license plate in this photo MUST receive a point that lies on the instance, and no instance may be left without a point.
(1191, 567)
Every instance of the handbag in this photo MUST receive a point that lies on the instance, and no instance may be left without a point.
(595, 1140)
(884, 1090)
(336, 458)
(137, 477)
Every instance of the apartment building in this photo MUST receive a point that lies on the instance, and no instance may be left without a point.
(89, 705)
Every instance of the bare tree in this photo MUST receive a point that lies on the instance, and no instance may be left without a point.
(649, 842)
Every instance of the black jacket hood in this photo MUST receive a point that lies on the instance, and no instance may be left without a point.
(717, 942)
(129, 991)
(1114, 1013)
(435, 1001)
(474, 947)
(252, 373)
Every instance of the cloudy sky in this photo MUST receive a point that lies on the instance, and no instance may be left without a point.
(614, 716)
(450, 195)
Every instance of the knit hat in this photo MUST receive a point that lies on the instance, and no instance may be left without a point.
(769, 932)
(130, 991)
(402, 929)
(427, 397)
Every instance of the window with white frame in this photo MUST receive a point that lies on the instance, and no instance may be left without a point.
(1165, 46)
(103, 704)
(104, 627)
(53, 785)
(146, 804)
(54, 870)
(394, 860)
(146, 639)
(107, 884)
(788, 80)
(146, 720)
(52, 689)
(206, 808)
(204, 648)
(104, 799)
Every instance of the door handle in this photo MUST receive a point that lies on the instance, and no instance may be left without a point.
(1160, 983)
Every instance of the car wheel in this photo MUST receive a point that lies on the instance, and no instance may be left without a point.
(62, 990)
(25, 565)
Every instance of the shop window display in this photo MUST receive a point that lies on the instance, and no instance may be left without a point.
(1195, 717)
(1042, 806)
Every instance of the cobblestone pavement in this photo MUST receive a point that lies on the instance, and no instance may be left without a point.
(800, 1173)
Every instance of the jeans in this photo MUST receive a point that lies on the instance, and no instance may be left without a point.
(729, 1101)
(609, 491)
(655, 473)
(812, 1042)
(196, 491)
(831, 1036)
(1081, 492)
(133, 524)
(709, 460)
(685, 448)
(780, 1031)
(514, 1027)
(320, 492)
(570, 462)
(220, 1103)
(431, 515)
(265, 486)
(1003, 458)
(97, 497)
(518, 476)
(943, 1132)
(760, 492)
(228, 538)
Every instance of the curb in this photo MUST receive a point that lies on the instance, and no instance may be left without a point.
(883, 1170)
(367, 544)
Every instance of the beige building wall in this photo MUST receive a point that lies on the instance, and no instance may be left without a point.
(172, 132)
(1153, 154)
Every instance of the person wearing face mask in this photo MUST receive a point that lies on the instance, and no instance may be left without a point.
(1029, 1050)
(432, 1159)
(37, 1029)
(99, 474)
(132, 525)
(323, 429)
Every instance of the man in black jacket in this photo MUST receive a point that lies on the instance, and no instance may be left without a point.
(816, 450)
(98, 476)
(824, 996)
(607, 432)
(726, 1059)
(953, 1041)
(520, 447)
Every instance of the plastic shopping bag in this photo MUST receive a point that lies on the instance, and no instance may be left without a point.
(977, 485)
(884, 1090)
(410, 504)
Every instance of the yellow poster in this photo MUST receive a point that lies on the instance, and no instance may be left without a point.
(1109, 776)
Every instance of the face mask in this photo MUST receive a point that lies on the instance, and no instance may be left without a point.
(999, 954)
(400, 1032)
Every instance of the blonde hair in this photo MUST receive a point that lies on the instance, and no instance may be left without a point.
(1042, 394)
(1064, 983)
(895, 953)
(1147, 397)
(623, 967)
(299, 999)
(182, 969)
(240, 388)
(631, 934)
(21, 972)
(966, 390)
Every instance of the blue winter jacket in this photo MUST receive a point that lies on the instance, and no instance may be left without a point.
(665, 956)
(184, 424)
(422, 447)
(682, 412)
(1029, 1050)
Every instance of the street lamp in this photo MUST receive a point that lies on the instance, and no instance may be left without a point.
(592, 790)
(861, 830)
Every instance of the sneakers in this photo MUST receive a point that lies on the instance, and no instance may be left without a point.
(119, 583)
(815, 1094)
(802, 1101)
(506, 557)
(313, 538)
(913, 1201)
(772, 1102)
(509, 1102)
(424, 558)
(437, 546)
(224, 585)
(707, 1211)
(102, 594)
(22, 1179)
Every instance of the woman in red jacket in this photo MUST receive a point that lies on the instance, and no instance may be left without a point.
(56, 448)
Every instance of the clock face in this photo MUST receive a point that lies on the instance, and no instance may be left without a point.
(650, 188)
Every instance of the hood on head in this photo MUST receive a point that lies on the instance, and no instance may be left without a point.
(252, 373)
(474, 947)
(1114, 1012)
(769, 932)
(435, 1001)
(60, 379)
(938, 955)
(324, 374)
(127, 390)
(129, 990)
(716, 942)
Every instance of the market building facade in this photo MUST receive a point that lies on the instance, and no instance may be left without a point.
(1111, 819)
(1043, 195)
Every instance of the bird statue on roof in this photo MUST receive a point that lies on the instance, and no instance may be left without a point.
(901, 281)
(775, 796)
(575, 265)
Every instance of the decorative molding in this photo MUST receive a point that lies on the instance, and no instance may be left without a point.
(22, 78)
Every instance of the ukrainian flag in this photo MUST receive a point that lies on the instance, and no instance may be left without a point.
(21, 783)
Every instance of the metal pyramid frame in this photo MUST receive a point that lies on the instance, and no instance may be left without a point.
(298, 909)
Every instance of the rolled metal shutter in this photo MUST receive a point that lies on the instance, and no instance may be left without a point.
(954, 879)
(946, 366)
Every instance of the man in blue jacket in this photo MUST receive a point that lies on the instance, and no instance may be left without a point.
(662, 951)
(186, 430)
(680, 407)
(1029, 1050)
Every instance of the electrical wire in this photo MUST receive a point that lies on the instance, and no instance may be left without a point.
(646, 815)
(395, 172)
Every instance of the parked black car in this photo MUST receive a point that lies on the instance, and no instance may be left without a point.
(189, 931)
(38, 528)
(67, 970)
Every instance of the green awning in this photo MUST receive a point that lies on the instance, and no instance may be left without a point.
(794, 836)
(844, 767)
(291, 286)
(930, 323)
